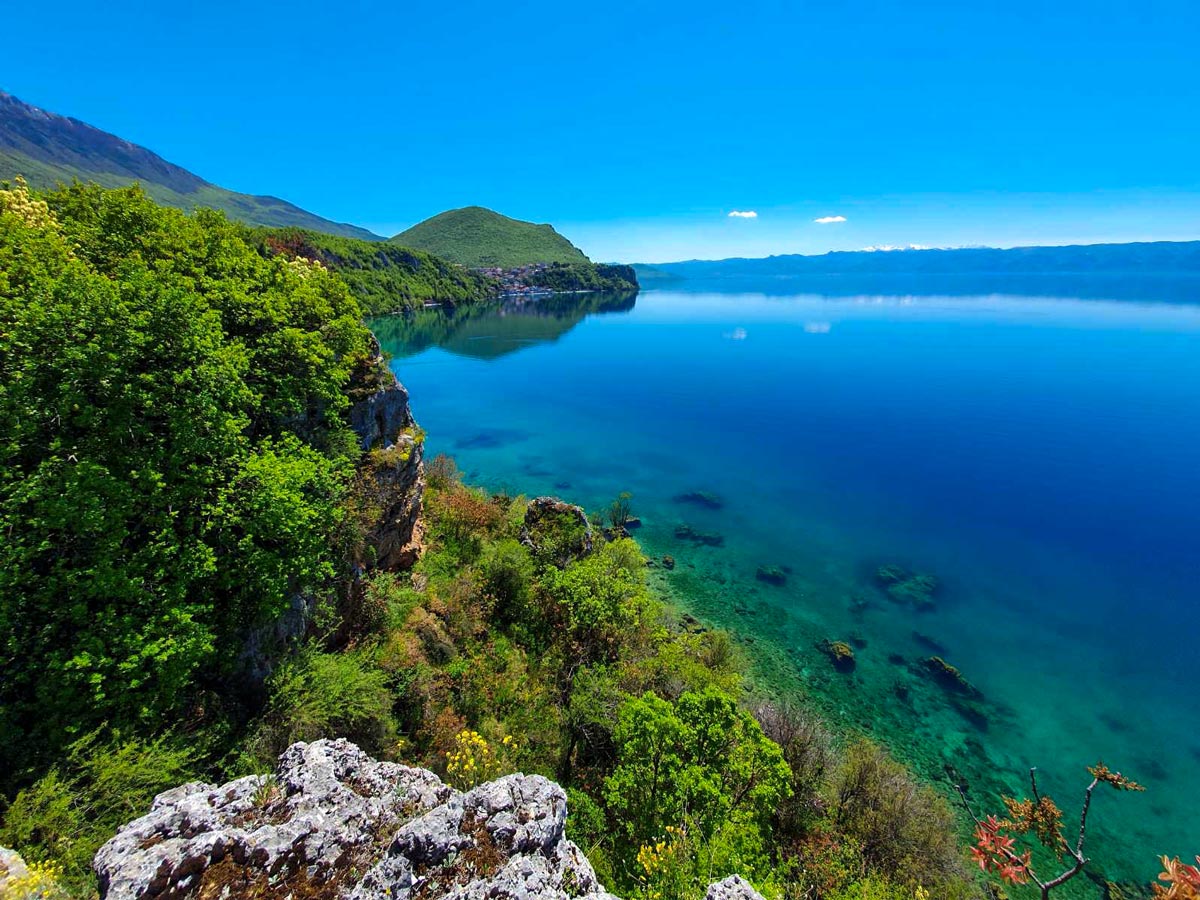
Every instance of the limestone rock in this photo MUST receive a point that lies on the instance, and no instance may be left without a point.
(328, 807)
(12, 867)
(735, 887)
(393, 477)
(334, 823)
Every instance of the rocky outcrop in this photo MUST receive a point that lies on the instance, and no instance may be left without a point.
(556, 532)
(334, 824)
(12, 868)
(392, 479)
(735, 887)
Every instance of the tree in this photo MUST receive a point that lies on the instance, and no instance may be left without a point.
(698, 761)
(996, 849)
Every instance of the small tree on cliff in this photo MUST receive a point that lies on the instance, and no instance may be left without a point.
(996, 849)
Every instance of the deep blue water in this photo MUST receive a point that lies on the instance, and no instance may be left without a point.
(1037, 454)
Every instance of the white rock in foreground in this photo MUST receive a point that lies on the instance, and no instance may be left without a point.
(334, 823)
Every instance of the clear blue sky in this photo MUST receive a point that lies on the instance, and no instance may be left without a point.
(636, 128)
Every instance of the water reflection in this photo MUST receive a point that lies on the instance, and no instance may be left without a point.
(492, 330)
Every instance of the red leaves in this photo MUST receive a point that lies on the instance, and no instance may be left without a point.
(1183, 880)
(994, 851)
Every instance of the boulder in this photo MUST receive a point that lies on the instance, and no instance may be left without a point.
(735, 887)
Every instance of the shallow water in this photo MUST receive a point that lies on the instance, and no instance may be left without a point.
(1037, 454)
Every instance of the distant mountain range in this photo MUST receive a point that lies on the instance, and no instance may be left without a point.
(48, 149)
(1158, 258)
(480, 238)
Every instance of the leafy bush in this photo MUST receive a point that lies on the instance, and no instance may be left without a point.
(64, 817)
(317, 695)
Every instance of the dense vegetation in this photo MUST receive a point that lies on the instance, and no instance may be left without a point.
(48, 150)
(384, 277)
(585, 277)
(477, 237)
(172, 462)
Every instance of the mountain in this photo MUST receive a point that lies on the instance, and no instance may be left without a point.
(478, 237)
(1086, 259)
(47, 148)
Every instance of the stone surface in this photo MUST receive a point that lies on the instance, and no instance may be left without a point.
(393, 476)
(328, 806)
(735, 887)
(12, 867)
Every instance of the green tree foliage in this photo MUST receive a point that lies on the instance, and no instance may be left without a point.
(474, 236)
(172, 455)
(699, 761)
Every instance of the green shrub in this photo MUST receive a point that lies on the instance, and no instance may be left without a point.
(66, 815)
(324, 695)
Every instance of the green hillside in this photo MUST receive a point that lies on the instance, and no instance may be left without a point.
(48, 149)
(385, 277)
(477, 237)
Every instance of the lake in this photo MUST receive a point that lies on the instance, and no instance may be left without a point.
(1035, 451)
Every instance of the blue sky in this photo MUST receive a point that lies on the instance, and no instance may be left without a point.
(636, 128)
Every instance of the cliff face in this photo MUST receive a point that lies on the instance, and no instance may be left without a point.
(334, 823)
(391, 479)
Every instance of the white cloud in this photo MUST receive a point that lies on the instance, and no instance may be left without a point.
(738, 334)
(743, 214)
(828, 220)
(888, 248)
(818, 327)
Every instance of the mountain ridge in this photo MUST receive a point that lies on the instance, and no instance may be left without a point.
(47, 148)
(1134, 257)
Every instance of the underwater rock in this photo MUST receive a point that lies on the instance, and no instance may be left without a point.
(699, 538)
(771, 575)
(895, 659)
(949, 678)
(900, 689)
(971, 709)
(700, 498)
(840, 654)
(668, 562)
(858, 642)
(632, 522)
(903, 586)
(858, 605)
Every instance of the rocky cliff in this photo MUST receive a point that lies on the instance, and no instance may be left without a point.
(334, 823)
(391, 482)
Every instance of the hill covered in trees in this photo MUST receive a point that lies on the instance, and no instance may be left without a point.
(480, 238)
(48, 149)
(385, 277)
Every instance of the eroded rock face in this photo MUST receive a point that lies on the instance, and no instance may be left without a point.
(334, 823)
(735, 887)
(392, 474)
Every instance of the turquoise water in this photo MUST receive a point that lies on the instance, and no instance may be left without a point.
(1036, 454)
